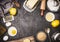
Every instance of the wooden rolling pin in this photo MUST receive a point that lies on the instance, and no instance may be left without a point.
(42, 7)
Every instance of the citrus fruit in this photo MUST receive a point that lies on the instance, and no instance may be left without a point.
(50, 16)
(13, 11)
(55, 23)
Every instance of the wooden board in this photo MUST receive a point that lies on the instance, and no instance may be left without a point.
(31, 38)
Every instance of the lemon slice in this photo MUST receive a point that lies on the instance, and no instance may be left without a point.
(50, 17)
(12, 31)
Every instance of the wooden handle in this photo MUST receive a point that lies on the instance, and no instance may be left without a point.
(43, 3)
(42, 12)
(42, 7)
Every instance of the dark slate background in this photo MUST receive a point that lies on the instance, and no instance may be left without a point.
(29, 24)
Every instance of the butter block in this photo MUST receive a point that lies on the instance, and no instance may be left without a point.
(31, 3)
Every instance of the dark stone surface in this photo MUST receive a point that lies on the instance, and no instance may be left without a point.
(28, 24)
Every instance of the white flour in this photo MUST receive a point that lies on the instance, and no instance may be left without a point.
(52, 5)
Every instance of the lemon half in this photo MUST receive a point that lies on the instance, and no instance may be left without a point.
(55, 23)
(13, 11)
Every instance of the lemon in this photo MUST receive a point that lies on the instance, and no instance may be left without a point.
(55, 23)
(13, 11)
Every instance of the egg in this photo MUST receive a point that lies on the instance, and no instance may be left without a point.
(12, 31)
